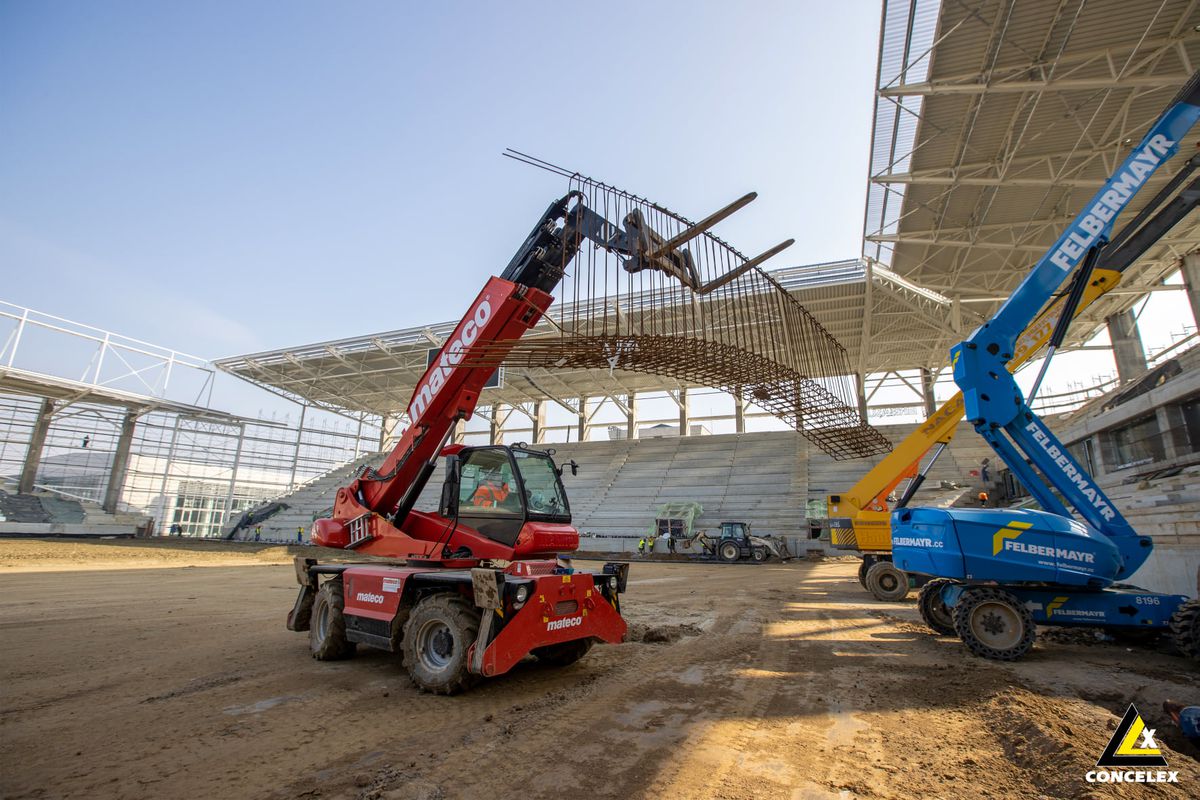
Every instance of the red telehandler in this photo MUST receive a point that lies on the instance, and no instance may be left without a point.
(478, 584)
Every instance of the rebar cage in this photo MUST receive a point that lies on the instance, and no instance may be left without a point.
(700, 313)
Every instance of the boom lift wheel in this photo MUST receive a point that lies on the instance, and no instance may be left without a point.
(728, 551)
(933, 609)
(994, 624)
(437, 635)
(327, 631)
(1185, 629)
(562, 655)
(886, 582)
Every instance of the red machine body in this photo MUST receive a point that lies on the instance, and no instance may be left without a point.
(464, 602)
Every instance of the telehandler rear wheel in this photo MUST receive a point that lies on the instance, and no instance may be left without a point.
(886, 582)
(327, 630)
(759, 554)
(933, 609)
(437, 635)
(562, 655)
(994, 624)
(862, 572)
(1185, 629)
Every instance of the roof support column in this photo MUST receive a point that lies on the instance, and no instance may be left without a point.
(539, 421)
(120, 462)
(631, 416)
(684, 418)
(860, 386)
(927, 392)
(1191, 280)
(387, 430)
(739, 412)
(1127, 345)
(583, 419)
(37, 441)
(494, 425)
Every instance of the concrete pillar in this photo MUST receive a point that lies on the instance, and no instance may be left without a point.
(739, 412)
(387, 430)
(539, 421)
(1172, 427)
(120, 462)
(37, 440)
(927, 392)
(1127, 346)
(860, 385)
(583, 420)
(460, 432)
(1191, 279)
(631, 416)
(684, 418)
(494, 425)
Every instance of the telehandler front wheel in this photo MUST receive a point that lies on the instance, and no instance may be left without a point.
(327, 630)
(439, 632)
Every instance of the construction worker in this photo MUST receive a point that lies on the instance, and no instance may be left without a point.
(642, 546)
(491, 492)
(299, 534)
(258, 533)
(983, 499)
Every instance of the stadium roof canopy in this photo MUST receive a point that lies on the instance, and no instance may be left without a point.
(994, 123)
(376, 373)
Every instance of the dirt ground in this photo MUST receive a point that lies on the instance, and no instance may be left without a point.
(163, 670)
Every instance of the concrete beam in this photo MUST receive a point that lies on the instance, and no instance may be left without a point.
(1127, 346)
(120, 463)
(37, 441)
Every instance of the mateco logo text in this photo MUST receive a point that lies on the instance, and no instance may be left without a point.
(1072, 472)
(568, 622)
(1122, 187)
(369, 597)
(450, 357)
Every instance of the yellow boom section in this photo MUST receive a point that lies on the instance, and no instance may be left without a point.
(860, 518)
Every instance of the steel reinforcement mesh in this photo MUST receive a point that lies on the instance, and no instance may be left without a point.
(704, 317)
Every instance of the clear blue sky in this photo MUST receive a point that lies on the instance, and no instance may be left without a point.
(225, 177)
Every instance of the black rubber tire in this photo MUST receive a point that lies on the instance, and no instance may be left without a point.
(862, 573)
(439, 632)
(1185, 629)
(886, 582)
(728, 551)
(995, 612)
(759, 554)
(933, 610)
(327, 629)
(565, 654)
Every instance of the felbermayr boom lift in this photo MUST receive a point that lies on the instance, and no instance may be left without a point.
(1000, 572)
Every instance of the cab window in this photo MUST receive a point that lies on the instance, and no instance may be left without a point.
(487, 484)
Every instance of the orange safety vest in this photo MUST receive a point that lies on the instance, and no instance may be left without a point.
(489, 496)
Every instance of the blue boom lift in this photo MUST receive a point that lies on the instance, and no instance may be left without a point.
(998, 573)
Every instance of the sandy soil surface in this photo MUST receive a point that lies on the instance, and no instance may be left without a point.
(775, 681)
